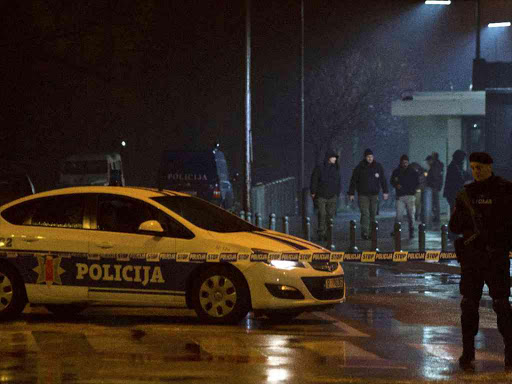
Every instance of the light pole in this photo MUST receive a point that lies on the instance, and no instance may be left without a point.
(246, 204)
(301, 175)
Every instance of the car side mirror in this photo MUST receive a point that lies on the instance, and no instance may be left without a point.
(151, 226)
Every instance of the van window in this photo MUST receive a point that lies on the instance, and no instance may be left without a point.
(85, 167)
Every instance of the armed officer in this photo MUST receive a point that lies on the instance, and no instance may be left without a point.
(483, 214)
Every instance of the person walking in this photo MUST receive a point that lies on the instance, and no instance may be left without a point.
(483, 214)
(325, 188)
(405, 180)
(456, 177)
(368, 179)
(422, 176)
(435, 176)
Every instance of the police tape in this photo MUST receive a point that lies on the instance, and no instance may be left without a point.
(364, 257)
(341, 257)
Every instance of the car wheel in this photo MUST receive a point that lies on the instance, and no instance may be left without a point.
(12, 293)
(282, 316)
(65, 310)
(220, 296)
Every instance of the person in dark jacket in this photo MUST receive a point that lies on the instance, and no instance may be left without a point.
(456, 177)
(368, 179)
(325, 188)
(484, 258)
(405, 180)
(435, 178)
(422, 175)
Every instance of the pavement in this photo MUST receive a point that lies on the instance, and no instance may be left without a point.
(385, 242)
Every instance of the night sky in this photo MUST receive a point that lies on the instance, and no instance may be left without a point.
(83, 76)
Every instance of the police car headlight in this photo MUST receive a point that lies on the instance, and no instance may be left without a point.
(286, 264)
(280, 264)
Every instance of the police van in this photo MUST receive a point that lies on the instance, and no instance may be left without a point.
(91, 169)
(71, 248)
(203, 174)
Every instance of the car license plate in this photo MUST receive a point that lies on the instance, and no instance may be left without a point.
(335, 282)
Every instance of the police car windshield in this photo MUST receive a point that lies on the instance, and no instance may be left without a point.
(205, 215)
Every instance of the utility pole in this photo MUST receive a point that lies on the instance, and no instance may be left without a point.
(248, 132)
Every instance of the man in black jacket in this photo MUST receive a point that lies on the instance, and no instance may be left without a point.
(422, 174)
(405, 179)
(325, 188)
(456, 177)
(483, 214)
(435, 178)
(368, 179)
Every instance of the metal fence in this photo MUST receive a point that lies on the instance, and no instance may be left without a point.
(278, 197)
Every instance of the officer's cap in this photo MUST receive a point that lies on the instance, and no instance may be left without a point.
(480, 157)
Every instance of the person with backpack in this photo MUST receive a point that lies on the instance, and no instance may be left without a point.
(325, 188)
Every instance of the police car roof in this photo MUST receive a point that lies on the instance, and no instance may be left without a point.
(136, 192)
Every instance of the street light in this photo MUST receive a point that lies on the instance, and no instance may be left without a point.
(499, 25)
(438, 2)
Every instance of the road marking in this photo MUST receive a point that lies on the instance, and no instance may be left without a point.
(453, 351)
(339, 324)
(230, 349)
(348, 355)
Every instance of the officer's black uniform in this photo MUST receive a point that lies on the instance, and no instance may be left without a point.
(486, 259)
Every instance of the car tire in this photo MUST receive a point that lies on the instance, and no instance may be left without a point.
(13, 297)
(282, 316)
(220, 296)
(65, 310)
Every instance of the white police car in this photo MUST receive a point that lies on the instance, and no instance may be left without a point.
(75, 247)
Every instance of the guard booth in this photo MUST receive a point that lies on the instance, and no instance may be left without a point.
(442, 122)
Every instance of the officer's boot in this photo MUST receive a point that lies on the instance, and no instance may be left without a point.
(508, 356)
(466, 361)
(502, 308)
(469, 321)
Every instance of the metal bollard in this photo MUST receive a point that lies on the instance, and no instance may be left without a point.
(249, 217)
(397, 237)
(259, 221)
(330, 237)
(444, 238)
(272, 222)
(421, 237)
(286, 225)
(242, 215)
(375, 231)
(352, 247)
(308, 229)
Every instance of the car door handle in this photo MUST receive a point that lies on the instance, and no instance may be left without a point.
(104, 245)
(29, 239)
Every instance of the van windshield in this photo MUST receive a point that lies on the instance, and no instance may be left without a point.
(85, 167)
(205, 215)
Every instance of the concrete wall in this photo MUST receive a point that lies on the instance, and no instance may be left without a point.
(441, 134)
(427, 134)
(454, 137)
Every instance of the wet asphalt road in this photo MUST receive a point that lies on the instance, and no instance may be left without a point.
(399, 325)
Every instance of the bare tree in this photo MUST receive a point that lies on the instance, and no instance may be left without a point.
(348, 98)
